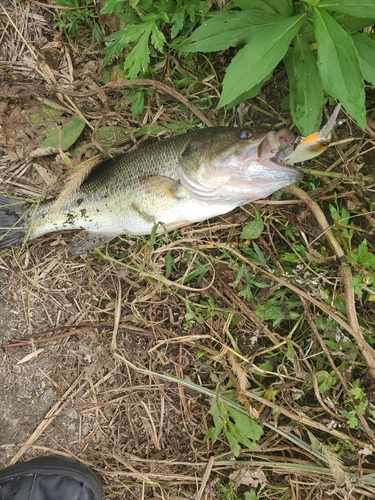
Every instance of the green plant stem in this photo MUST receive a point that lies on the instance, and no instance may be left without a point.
(336, 175)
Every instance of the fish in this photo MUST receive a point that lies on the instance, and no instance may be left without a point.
(314, 144)
(169, 184)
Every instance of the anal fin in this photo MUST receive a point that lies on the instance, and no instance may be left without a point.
(88, 240)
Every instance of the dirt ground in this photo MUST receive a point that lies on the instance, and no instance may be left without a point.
(91, 345)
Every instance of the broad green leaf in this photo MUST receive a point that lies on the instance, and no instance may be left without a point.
(282, 7)
(307, 31)
(349, 23)
(116, 7)
(114, 48)
(312, 3)
(254, 4)
(254, 91)
(352, 24)
(259, 57)
(356, 8)
(228, 29)
(366, 51)
(339, 67)
(259, 254)
(65, 136)
(306, 92)
(254, 228)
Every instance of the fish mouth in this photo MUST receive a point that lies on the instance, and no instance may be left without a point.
(254, 172)
(272, 150)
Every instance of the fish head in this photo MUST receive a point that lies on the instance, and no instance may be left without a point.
(236, 165)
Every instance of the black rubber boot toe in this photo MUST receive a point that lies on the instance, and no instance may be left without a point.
(49, 478)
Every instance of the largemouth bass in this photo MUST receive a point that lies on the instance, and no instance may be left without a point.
(173, 183)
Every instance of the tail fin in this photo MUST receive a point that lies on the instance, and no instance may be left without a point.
(13, 222)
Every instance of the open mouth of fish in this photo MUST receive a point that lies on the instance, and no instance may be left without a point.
(251, 170)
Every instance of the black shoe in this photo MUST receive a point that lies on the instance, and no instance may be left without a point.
(49, 478)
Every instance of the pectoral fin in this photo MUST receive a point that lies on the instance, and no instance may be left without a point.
(159, 185)
(160, 194)
(88, 240)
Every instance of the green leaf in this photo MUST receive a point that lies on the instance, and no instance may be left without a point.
(259, 254)
(352, 24)
(356, 8)
(157, 38)
(366, 51)
(65, 136)
(245, 424)
(254, 91)
(312, 3)
(361, 252)
(213, 433)
(228, 29)
(233, 443)
(326, 380)
(138, 103)
(339, 67)
(240, 437)
(353, 421)
(259, 57)
(178, 22)
(356, 392)
(251, 495)
(306, 92)
(282, 7)
(356, 284)
(254, 228)
(121, 38)
(139, 58)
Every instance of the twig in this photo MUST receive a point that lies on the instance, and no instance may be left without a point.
(205, 478)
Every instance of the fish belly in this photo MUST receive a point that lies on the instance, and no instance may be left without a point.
(135, 215)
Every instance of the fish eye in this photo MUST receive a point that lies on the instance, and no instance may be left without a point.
(246, 134)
